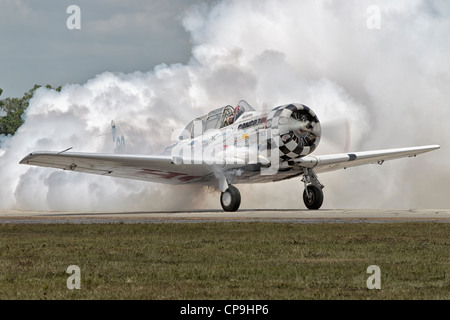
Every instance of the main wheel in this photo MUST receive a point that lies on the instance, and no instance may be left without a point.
(314, 199)
(230, 199)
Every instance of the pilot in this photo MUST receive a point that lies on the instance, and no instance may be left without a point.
(238, 111)
(231, 118)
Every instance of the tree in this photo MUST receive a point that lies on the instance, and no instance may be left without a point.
(12, 110)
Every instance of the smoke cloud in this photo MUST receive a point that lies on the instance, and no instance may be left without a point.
(390, 83)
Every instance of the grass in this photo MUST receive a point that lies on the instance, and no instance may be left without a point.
(225, 261)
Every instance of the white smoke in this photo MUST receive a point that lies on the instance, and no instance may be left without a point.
(391, 84)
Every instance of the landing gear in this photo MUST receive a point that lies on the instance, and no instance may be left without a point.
(230, 199)
(313, 194)
(313, 197)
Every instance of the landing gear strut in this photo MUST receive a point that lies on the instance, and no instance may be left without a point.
(230, 199)
(313, 194)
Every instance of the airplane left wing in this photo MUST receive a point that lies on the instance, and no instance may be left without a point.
(138, 167)
(326, 163)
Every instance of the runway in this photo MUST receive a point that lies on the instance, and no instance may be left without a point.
(245, 215)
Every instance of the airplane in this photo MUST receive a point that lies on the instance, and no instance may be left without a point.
(232, 145)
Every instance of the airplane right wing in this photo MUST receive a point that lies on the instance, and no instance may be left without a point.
(326, 163)
(138, 167)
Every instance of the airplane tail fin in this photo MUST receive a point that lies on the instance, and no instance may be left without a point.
(118, 138)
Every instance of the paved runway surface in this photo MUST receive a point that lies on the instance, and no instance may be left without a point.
(263, 215)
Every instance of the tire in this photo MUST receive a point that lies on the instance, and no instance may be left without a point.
(230, 199)
(315, 201)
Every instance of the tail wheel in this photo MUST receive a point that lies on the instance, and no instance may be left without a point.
(230, 199)
(313, 197)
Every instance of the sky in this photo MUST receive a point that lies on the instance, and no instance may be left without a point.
(117, 36)
(152, 66)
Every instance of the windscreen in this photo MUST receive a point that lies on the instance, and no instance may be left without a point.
(242, 107)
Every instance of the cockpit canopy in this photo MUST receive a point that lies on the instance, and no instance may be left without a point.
(215, 120)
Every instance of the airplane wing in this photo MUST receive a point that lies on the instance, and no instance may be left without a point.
(139, 167)
(165, 169)
(326, 163)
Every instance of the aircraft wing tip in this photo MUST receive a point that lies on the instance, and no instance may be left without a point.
(26, 158)
(433, 147)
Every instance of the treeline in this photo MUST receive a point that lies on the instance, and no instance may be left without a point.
(12, 109)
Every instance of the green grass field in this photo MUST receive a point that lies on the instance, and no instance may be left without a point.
(225, 261)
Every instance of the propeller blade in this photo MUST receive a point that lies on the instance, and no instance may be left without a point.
(337, 132)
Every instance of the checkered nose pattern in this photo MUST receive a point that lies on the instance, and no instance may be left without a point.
(295, 131)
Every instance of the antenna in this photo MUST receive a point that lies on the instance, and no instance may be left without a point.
(65, 150)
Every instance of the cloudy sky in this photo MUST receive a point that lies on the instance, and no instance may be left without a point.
(152, 66)
(119, 36)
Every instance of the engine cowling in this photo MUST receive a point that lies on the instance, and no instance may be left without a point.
(295, 131)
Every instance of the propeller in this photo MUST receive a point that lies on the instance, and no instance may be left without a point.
(338, 133)
(304, 127)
